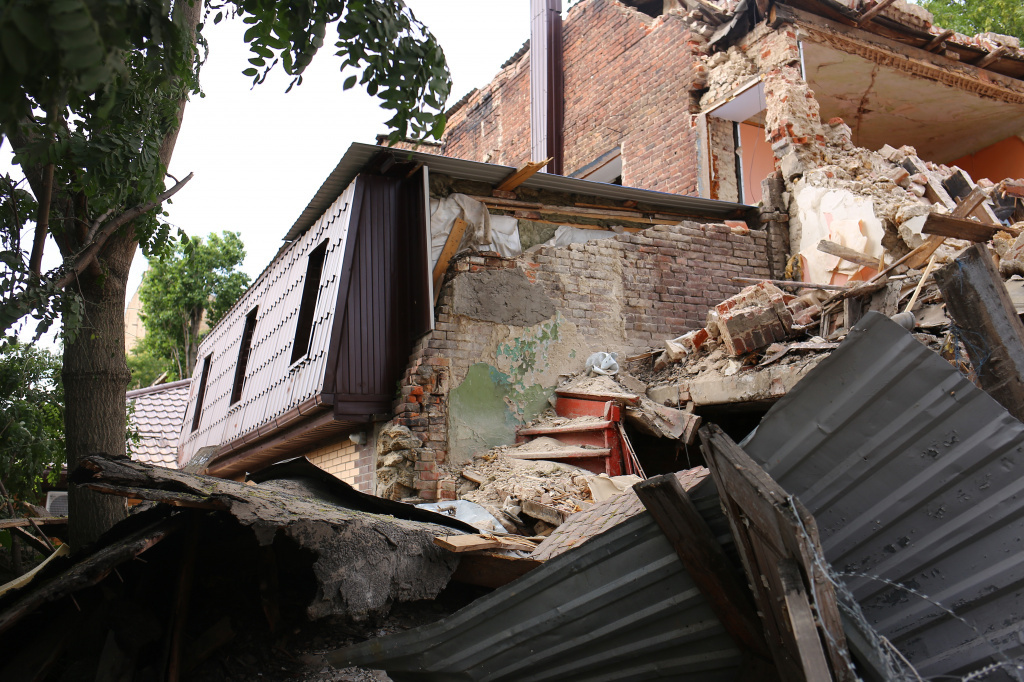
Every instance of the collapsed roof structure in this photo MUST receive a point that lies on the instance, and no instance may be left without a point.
(739, 195)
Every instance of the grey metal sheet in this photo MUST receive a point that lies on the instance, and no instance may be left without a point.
(619, 607)
(358, 155)
(915, 477)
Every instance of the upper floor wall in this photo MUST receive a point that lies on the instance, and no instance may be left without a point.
(630, 83)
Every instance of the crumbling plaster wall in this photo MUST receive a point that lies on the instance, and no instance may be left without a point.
(472, 381)
(630, 82)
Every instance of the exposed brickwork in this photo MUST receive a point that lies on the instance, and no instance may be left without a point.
(350, 462)
(629, 81)
(752, 319)
(640, 288)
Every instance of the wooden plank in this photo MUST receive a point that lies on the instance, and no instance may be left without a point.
(936, 42)
(41, 520)
(848, 254)
(488, 569)
(979, 304)
(626, 398)
(793, 284)
(801, 620)
(873, 12)
(451, 245)
(769, 527)
(991, 57)
(521, 175)
(466, 543)
(958, 228)
(922, 254)
(704, 559)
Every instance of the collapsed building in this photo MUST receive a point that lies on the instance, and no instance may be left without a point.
(735, 192)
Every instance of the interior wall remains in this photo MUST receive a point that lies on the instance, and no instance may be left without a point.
(1002, 160)
(348, 460)
(488, 368)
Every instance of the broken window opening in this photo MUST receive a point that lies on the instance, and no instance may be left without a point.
(243, 355)
(201, 396)
(310, 295)
(740, 155)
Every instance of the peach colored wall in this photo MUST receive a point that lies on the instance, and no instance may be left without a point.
(1004, 159)
(758, 161)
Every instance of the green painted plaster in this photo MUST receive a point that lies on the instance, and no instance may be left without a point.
(493, 401)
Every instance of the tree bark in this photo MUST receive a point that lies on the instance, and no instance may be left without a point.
(95, 378)
(95, 372)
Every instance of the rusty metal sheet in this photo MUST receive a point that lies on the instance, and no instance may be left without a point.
(915, 478)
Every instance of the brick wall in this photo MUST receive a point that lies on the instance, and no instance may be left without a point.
(629, 82)
(350, 462)
(636, 288)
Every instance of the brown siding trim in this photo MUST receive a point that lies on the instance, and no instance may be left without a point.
(285, 444)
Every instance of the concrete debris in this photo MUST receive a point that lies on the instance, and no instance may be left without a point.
(505, 483)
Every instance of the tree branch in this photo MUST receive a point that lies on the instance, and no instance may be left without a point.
(35, 261)
(86, 256)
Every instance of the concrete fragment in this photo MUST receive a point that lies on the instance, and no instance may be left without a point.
(791, 166)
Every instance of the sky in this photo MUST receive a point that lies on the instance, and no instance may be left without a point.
(259, 155)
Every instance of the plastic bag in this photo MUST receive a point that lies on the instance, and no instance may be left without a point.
(603, 363)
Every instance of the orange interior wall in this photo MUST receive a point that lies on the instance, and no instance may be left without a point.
(758, 161)
(1004, 159)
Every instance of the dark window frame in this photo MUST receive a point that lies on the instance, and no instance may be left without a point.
(244, 350)
(307, 308)
(201, 396)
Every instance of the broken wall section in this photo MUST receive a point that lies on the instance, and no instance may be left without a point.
(630, 83)
(484, 372)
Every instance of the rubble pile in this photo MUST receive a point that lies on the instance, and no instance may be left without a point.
(502, 484)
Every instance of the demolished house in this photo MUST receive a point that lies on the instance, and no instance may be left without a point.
(727, 393)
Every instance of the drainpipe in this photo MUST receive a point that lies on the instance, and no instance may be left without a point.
(547, 102)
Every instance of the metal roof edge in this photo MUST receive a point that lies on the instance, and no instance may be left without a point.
(360, 154)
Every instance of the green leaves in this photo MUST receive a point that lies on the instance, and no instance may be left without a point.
(186, 290)
(979, 16)
(31, 417)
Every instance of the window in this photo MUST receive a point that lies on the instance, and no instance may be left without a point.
(310, 293)
(202, 393)
(243, 355)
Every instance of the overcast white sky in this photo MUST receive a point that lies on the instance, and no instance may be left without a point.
(260, 155)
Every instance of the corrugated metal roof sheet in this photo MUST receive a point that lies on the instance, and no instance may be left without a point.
(914, 476)
(358, 155)
(619, 607)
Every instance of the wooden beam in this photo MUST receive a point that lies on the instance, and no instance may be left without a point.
(959, 228)
(848, 254)
(41, 520)
(993, 334)
(991, 56)
(936, 43)
(920, 256)
(792, 283)
(451, 245)
(704, 559)
(522, 175)
(873, 12)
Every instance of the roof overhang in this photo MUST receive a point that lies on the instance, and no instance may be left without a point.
(359, 156)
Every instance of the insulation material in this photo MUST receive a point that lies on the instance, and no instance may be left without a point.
(839, 216)
(505, 236)
(443, 213)
(567, 234)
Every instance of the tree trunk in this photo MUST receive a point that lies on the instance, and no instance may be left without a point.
(95, 378)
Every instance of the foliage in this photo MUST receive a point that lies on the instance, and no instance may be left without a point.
(93, 89)
(979, 16)
(146, 367)
(197, 281)
(31, 417)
